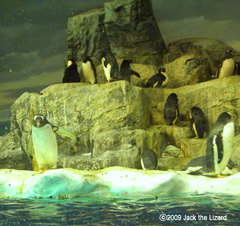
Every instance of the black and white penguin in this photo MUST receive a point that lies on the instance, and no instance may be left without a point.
(198, 124)
(158, 80)
(126, 71)
(71, 72)
(110, 65)
(219, 144)
(171, 110)
(149, 160)
(89, 70)
(44, 143)
(227, 66)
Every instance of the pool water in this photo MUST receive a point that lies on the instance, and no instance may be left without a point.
(191, 210)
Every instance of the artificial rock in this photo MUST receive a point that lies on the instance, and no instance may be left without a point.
(115, 113)
(127, 27)
(208, 48)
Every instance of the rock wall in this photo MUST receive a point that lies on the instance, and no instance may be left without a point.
(127, 27)
(105, 118)
(115, 122)
(209, 48)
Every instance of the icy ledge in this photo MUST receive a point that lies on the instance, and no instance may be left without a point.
(110, 182)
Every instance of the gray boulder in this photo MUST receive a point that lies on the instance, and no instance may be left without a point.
(133, 32)
(188, 70)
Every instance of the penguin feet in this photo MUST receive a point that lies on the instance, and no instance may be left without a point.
(222, 176)
(42, 170)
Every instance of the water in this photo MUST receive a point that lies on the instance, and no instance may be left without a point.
(87, 211)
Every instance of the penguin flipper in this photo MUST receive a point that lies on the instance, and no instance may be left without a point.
(30, 150)
(135, 73)
(197, 170)
(67, 133)
(31, 154)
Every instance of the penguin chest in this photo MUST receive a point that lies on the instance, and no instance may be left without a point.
(227, 68)
(88, 72)
(45, 146)
(107, 69)
(223, 148)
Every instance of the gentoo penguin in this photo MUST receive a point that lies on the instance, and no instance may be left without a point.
(71, 72)
(110, 65)
(44, 142)
(126, 71)
(227, 66)
(149, 160)
(89, 70)
(198, 123)
(158, 80)
(219, 144)
(171, 111)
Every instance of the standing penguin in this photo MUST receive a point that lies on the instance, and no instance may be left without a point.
(110, 65)
(171, 110)
(198, 123)
(149, 160)
(227, 66)
(126, 71)
(89, 70)
(219, 144)
(158, 80)
(71, 72)
(44, 143)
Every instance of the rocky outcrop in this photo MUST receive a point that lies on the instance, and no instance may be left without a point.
(116, 113)
(11, 154)
(115, 122)
(209, 48)
(133, 32)
(127, 27)
(188, 70)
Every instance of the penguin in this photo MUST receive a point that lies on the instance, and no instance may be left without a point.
(71, 72)
(219, 144)
(44, 142)
(198, 166)
(149, 160)
(227, 66)
(126, 71)
(89, 70)
(110, 65)
(158, 80)
(198, 123)
(237, 68)
(171, 110)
